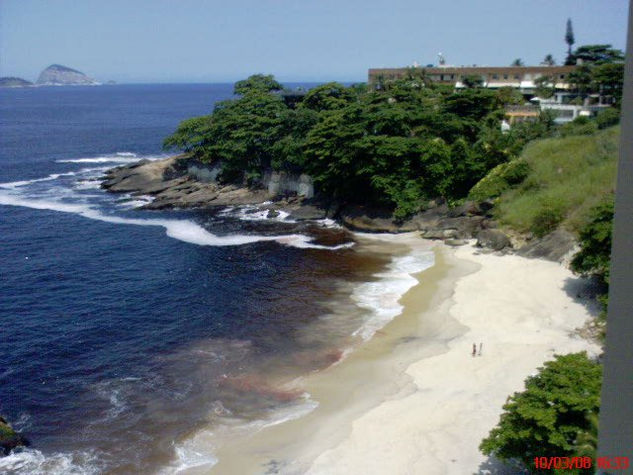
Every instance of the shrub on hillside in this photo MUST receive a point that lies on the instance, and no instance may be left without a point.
(607, 118)
(594, 257)
(547, 218)
(499, 179)
(579, 126)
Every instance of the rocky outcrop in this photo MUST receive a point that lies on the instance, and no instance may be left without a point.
(493, 239)
(58, 75)
(171, 185)
(556, 246)
(14, 82)
(177, 182)
(9, 438)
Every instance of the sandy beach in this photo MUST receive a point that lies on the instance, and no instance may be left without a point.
(413, 399)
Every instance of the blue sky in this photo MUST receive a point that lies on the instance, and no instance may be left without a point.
(215, 41)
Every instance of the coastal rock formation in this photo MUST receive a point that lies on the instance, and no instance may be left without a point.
(556, 246)
(58, 75)
(171, 185)
(14, 82)
(9, 438)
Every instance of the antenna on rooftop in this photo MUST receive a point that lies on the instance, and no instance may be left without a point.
(440, 59)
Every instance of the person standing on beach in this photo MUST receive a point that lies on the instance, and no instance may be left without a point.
(480, 347)
(474, 349)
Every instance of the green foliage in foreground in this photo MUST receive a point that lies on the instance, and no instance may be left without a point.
(568, 177)
(396, 147)
(594, 257)
(595, 243)
(555, 416)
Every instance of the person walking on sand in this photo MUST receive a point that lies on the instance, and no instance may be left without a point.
(474, 349)
(480, 346)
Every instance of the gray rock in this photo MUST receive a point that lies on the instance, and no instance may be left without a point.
(493, 239)
(9, 438)
(554, 247)
(455, 242)
(433, 234)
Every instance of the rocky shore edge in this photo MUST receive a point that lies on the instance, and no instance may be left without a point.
(9, 438)
(170, 186)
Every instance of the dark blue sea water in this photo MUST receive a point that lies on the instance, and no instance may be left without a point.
(123, 332)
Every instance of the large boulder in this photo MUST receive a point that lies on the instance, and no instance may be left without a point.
(554, 247)
(361, 218)
(493, 239)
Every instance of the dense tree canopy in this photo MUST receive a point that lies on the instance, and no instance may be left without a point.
(395, 147)
(601, 71)
(555, 416)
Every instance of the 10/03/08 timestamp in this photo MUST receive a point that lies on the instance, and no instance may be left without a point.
(570, 463)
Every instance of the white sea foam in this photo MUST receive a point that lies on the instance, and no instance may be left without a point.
(119, 157)
(190, 456)
(87, 185)
(255, 213)
(197, 451)
(183, 230)
(34, 462)
(381, 297)
(16, 184)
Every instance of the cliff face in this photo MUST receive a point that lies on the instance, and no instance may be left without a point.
(14, 82)
(58, 75)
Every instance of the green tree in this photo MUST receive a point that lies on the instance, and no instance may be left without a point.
(330, 96)
(553, 417)
(509, 96)
(549, 60)
(545, 86)
(598, 54)
(517, 62)
(192, 137)
(608, 79)
(569, 39)
(581, 79)
(257, 83)
(594, 257)
(472, 81)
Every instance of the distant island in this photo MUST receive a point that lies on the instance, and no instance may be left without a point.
(14, 82)
(58, 75)
(54, 75)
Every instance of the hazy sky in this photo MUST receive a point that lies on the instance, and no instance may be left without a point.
(209, 40)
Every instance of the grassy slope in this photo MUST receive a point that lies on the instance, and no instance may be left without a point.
(569, 174)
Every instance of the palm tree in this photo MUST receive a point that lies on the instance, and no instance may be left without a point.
(517, 62)
(549, 60)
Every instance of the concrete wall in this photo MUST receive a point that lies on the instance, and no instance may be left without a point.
(203, 172)
(278, 183)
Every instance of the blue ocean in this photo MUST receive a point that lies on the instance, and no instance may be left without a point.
(124, 332)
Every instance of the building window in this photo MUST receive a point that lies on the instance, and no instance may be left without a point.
(441, 77)
(505, 76)
(562, 76)
(516, 76)
(495, 76)
(452, 76)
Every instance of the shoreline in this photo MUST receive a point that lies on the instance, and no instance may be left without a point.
(412, 399)
(167, 184)
(523, 314)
